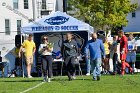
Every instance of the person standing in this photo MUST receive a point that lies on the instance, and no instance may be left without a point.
(131, 55)
(30, 49)
(96, 48)
(87, 59)
(70, 53)
(46, 53)
(18, 61)
(107, 52)
(113, 54)
(123, 52)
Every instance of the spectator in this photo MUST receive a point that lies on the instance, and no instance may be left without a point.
(131, 55)
(88, 65)
(1, 65)
(18, 61)
(123, 52)
(96, 48)
(107, 52)
(70, 53)
(113, 54)
(30, 49)
(46, 53)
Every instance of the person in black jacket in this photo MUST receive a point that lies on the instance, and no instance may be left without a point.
(70, 53)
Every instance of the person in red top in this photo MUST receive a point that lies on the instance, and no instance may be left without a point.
(123, 52)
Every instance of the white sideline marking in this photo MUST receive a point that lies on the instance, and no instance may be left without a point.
(32, 87)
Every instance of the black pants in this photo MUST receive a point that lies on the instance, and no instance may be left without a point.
(47, 65)
(18, 61)
(70, 66)
(115, 60)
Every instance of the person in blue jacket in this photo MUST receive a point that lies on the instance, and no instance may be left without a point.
(96, 49)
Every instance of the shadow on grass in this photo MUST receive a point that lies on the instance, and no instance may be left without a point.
(21, 80)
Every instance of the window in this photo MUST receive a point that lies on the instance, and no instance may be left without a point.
(15, 4)
(133, 14)
(26, 4)
(18, 26)
(7, 26)
(43, 4)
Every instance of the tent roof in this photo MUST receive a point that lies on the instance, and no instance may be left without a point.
(56, 22)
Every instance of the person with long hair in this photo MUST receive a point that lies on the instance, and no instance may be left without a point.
(107, 52)
(131, 55)
(46, 54)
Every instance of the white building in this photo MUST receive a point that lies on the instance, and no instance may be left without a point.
(133, 20)
(15, 13)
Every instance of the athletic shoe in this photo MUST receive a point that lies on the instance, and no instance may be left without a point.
(98, 78)
(94, 78)
(73, 77)
(30, 76)
(49, 80)
(88, 74)
(44, 80)
(131, 71)
(70, 78)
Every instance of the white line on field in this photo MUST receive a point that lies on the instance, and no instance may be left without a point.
(33, 87)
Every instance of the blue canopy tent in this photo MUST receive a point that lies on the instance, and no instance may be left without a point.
(57, 22)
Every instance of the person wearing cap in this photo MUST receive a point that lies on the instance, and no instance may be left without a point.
(30, 49)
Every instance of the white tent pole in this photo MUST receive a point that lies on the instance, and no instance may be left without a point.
(22, 59)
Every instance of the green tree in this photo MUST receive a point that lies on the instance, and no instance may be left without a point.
(103, 14)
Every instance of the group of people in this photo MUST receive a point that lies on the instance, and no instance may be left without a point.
(97, 54)
(69, 52)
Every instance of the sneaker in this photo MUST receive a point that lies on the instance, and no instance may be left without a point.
(94, 78)
(44, 80)
(70, 78)
(30, 76)
(88, 74)
(98, 78)
(49, 80)
(131, 71)
(73, 77)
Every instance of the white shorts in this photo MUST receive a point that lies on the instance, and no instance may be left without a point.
(131, 57)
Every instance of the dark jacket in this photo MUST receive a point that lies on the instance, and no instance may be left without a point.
(69, 49)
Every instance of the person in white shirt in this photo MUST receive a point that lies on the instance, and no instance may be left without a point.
(46, 53)
(131, 55)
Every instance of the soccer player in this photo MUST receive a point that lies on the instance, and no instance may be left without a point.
(123, 52)
(30, 49)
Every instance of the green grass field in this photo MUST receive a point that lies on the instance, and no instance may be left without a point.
(107, 84)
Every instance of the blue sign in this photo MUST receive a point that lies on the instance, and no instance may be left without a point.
(58, 20)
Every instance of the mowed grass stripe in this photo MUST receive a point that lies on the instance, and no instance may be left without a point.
(108, 84)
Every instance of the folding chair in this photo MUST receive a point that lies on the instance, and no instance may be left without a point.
(77, 63)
